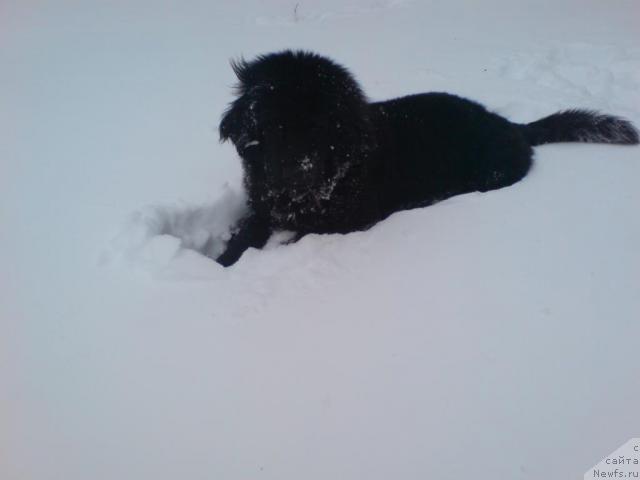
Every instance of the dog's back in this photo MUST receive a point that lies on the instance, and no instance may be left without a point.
(436, 145)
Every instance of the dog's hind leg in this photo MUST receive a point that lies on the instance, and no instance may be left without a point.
(507, 161)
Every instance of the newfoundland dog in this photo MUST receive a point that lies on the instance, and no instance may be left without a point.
(319, 158)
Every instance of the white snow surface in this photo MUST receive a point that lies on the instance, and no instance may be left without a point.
(490, 336)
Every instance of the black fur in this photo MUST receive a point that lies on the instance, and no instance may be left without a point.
(581, 126)
(319, 158)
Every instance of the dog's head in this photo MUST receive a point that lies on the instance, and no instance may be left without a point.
(297, 121)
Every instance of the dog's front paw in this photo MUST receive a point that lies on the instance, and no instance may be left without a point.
(252, 231)
(229, 257)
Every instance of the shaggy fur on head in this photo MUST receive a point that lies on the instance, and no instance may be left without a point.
(319, 158)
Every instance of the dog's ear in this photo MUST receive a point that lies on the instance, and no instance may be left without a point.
(227, 126)
(240, 67)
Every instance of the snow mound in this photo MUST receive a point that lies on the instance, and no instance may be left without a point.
(163, 238)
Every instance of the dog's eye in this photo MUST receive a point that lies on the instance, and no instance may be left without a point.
(252, 143)
(249, 147)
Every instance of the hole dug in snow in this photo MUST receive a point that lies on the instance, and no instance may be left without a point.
(159, 235)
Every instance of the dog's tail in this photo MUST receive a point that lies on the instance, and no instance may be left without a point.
(580, 126)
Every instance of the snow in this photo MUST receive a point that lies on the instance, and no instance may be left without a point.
(489, 336)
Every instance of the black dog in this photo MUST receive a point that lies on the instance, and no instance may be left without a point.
(319, 158)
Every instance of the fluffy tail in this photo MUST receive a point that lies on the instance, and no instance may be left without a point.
(581, 126)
